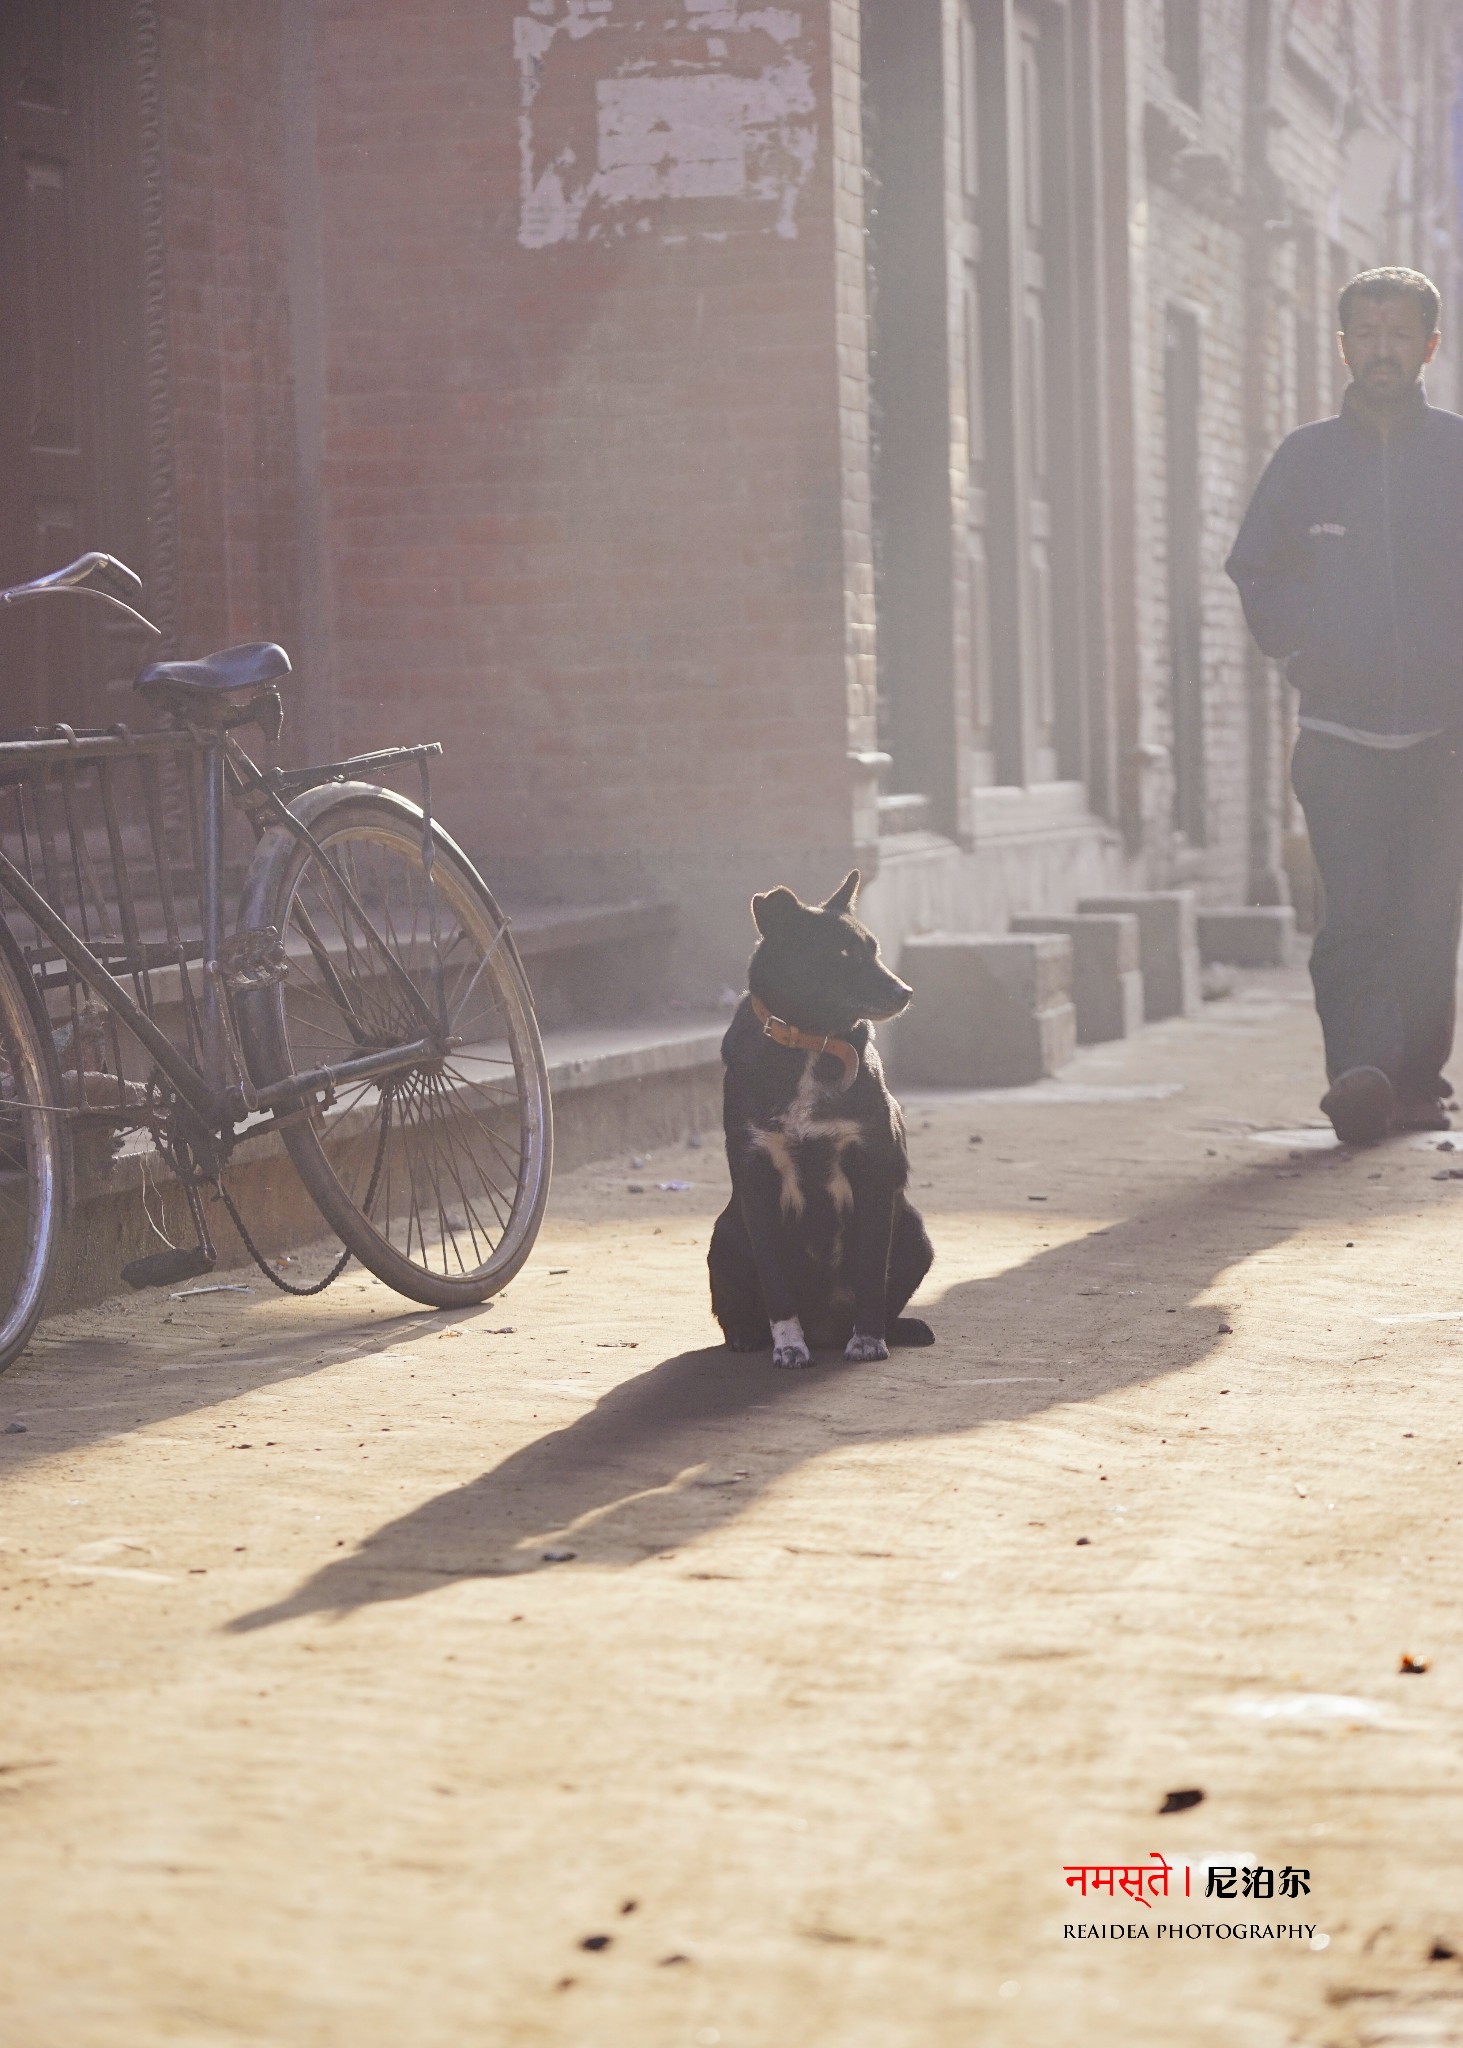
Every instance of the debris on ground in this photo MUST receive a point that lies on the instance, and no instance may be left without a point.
(1180, 1802)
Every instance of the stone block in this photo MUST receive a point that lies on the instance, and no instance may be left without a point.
(1263, 935)
(1168, 947)
(988, 1011)
(1107, 979)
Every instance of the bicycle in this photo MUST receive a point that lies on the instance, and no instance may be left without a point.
(369, 1007)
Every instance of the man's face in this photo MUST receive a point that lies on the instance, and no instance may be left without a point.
(1386, 345)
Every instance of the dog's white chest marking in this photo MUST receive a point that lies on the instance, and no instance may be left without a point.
(801, 1125)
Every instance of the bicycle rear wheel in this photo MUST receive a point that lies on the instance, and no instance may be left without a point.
(35, 1153)
(437, 1176)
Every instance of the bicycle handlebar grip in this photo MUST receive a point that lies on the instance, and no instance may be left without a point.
(117, 577)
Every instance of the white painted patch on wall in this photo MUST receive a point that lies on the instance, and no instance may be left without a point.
(672, 138)
(735, 126)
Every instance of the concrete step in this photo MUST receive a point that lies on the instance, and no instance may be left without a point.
(988, 1011)
(586, 963)
(615, 1088)
(1257, 935)
(595, 962)
(1168, 947)
(1107, 979)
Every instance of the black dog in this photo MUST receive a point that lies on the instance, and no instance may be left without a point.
(818, 1244)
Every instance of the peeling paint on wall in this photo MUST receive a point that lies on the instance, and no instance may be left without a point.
(692, 118)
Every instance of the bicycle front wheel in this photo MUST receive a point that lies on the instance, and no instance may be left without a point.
(435, 1176)
(35, 1153)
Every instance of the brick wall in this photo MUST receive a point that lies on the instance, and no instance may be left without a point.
(233, 448)
(1194, 261)
(594, 485)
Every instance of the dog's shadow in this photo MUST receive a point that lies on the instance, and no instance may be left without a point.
(682, 1449)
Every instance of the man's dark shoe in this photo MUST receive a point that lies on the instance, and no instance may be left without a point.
(1422, 1115)
(1360, 1104)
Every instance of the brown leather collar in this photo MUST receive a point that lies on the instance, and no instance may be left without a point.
(783, 1033)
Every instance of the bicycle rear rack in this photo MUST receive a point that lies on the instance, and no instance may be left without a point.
(110, 831)
(106, 829)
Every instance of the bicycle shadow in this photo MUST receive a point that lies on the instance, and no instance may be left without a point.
(146, 1380)
(681, 1450)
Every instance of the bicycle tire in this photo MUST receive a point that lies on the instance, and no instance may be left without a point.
(453, 1212)
(35, 1153)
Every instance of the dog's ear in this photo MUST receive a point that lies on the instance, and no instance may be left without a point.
(844, 895)
(774, 909)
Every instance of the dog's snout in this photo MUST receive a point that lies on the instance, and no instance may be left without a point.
(893, 997)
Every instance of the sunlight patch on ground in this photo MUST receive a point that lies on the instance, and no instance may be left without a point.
(1335, 1252)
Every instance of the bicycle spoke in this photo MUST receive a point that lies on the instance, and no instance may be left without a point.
(454, 1153)
(454, 1014)
(427, 1157)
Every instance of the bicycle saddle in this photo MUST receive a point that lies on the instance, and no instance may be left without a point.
(249, 667)
(233, 687)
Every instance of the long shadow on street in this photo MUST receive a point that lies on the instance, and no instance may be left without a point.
(684, 1448)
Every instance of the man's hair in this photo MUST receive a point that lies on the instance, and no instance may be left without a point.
(1392, 282)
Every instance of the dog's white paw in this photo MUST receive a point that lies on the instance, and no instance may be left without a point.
(789, 1346)
(861, 1350)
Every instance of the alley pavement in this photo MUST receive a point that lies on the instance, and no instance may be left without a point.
(546, 1674)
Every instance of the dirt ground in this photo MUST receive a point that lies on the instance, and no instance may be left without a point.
(305, 1738)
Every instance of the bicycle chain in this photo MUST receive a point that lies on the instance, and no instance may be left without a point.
(319, 1287)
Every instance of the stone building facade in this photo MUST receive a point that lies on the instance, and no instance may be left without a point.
(757, 438)
(1121, 243)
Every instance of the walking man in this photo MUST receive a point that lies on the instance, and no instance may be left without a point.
(1349, 564)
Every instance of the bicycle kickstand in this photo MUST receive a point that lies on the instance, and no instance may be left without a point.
(180, 1262)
